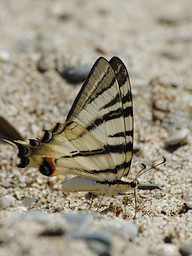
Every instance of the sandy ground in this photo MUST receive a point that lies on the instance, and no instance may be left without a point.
(154, 40)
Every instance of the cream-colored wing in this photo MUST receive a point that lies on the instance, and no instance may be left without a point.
(94, 140)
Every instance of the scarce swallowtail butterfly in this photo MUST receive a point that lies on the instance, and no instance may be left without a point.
(95, 143)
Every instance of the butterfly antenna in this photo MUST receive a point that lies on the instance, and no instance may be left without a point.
(135, 196)
(143, 168)
(142, 171)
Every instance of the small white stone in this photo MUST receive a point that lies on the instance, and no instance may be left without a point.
(21, 209)
(177, 138)
(4, 56)
(6, 201)
(168, 250)
(131, 230)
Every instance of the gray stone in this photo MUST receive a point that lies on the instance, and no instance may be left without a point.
(131, 230)
(57, 227)
(6, 201)
(168, 250)
(28, 201)
(77, 74)
(177, 138)
(186, 249)
(37, 216)
(99, 242)
(79, 222)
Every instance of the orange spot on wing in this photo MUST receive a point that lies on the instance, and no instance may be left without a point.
(49, 160)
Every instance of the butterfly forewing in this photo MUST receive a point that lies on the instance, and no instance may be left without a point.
(103, 111)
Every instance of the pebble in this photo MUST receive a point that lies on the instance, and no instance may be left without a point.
(21, 209)
(18, 195)
(45, 63)
(39, 181)
(187, 197)
(171, 54)
(4, 56)
(99, 242)
(169, 19)
(77, 74)
(168, 250)
(37, 216)
(131, 230)
(158, 115)
(188, 206)
(28, 201)
(78, 222)
(58, 227)
(185, 207)
(186, 249)
(161, 105)
(5, 184)
(6, 201)
(177, 138)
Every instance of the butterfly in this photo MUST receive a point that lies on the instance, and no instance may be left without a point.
(95, 143)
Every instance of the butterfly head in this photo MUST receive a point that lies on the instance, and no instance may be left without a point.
(134, 184)
(129, 183)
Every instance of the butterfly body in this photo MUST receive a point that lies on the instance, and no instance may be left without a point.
(95, 143)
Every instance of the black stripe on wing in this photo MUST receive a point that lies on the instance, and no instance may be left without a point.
(95, 87)
(109, 116)
(126, 98)
(110, 170)
(107, 87)
(121, 134)
(116, 149)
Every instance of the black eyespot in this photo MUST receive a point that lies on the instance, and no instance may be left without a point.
(24, 162)
(133, 184)
(34, 143)
(46, 169)
(47, 137)
(22, 150)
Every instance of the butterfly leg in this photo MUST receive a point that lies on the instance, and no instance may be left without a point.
(125, 210)
(135, 195)
(125, 201)
(92, 198)
(99, 205)
(117, 209)
(69, 205)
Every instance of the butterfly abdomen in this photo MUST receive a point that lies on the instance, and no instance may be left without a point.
(104, 188)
